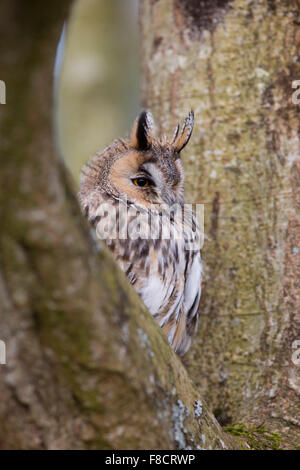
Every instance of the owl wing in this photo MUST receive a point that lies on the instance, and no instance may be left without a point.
(192, 292)
(187, 314)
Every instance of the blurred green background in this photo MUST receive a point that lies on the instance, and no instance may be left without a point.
(97, 82)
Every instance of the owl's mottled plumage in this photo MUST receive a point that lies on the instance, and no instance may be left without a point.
(166, 275)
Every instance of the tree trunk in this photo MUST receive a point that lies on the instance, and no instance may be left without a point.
(87, 366)
(234, 63)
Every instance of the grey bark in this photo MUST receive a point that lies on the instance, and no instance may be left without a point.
(234, 63)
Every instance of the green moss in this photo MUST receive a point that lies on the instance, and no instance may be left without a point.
(257, 438)
(217, 412)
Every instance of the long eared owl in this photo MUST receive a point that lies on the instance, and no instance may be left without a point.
(144, 175)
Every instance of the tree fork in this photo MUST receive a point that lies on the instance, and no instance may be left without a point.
(87, 366)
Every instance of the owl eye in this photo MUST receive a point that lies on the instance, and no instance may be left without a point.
(142, 182)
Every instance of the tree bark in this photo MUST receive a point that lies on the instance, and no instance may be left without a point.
(234, 63)
(87, 366)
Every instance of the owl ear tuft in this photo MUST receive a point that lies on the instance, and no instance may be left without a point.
(181, 139)
(175, 135)
(143, 131)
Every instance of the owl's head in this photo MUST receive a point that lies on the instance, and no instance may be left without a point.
(143, 169)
